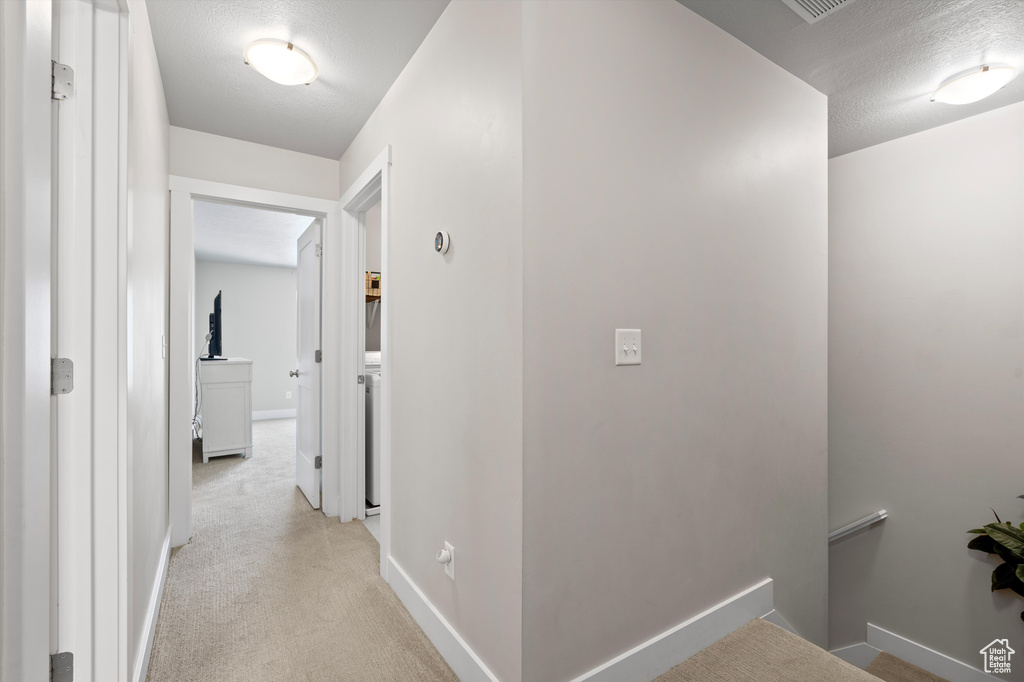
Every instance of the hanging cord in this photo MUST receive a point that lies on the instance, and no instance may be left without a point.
(197, 425)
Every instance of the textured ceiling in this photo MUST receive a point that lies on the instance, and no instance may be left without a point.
(227, 233)
(360, 47)
(880, 60)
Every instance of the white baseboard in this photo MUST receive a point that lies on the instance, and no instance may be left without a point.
(859, 655)
(463, 661)
(152, 613)
(273, 414)
(259, 415)
(923, 657)
(776, 618)
(667, 650)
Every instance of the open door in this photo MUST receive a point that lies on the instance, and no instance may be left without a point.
(307, 374)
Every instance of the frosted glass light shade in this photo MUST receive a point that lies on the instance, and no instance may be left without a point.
(281, 62)
(974, 84)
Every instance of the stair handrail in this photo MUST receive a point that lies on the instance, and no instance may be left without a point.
(879, 515)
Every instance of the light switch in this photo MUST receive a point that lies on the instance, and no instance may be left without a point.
(627, 346)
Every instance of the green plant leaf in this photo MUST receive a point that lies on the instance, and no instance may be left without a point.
(1018, 587)
(1003, 577)
(983, 543)
(1020, 572)
(1006, 555)
(977, 530)
(1009, 537)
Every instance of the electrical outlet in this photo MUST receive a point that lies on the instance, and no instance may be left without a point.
(449, 568)
(288, 395)
(627, 347)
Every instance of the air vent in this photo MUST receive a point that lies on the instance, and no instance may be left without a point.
(813, 10)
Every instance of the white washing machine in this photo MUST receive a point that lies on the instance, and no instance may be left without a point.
(372, 379)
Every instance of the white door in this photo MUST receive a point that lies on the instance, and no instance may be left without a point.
(25, 227)
(307, 422)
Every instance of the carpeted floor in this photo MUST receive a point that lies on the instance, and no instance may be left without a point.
(891, 669)
(762, 652)
(272, 590)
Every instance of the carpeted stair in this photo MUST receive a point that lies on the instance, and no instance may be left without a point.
(762, 652)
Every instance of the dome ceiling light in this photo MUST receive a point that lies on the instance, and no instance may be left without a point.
(281, 62)
(976, 83)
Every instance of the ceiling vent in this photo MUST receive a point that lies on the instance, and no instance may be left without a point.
(813, 10)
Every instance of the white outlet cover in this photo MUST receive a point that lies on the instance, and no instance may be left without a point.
(449, 568)
(627, 347)
(288, 395)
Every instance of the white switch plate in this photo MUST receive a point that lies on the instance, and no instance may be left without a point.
(627, 347)
(287, 395)
(449, 568)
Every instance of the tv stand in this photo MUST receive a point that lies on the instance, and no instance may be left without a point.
(227, 407)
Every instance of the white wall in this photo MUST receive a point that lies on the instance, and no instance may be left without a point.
(222, 159)
(258, 322)
(453, 120)
(675, 181)
(148, 273)
(372, 223)
(926, 396)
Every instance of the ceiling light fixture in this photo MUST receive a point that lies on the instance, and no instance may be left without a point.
(974, 84)
(281, 62)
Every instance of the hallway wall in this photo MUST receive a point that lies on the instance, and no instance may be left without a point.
(926, 379)
(148, 273)
(216, 158)
(453, 119)
(689, 202)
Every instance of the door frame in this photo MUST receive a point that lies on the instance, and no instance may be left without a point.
(373, 185)
(93, 234)
(181, 382)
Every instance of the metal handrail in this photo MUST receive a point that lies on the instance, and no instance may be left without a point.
(857, 525)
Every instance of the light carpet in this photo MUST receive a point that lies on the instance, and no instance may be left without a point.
(891, 669)
(270, 589)
(762, 652)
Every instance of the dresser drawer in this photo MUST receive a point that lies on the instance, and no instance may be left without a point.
(224, 372)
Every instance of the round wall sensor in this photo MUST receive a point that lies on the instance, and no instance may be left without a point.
(441, 242)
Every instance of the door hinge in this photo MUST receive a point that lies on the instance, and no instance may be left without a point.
(319, 249)
(360, 379)
(62, 81)
(62, 376)
(318, 462)
(62, 667)
(317, 357)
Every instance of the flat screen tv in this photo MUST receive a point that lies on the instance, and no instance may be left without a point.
(215, 331)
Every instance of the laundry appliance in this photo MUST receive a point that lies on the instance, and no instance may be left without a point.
(372, 380)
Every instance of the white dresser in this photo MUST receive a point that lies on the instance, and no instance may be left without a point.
(226, 407)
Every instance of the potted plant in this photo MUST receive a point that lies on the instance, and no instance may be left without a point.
(1007, 542)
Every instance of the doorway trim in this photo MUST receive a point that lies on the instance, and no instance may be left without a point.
(373, 184)
(181, 380)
